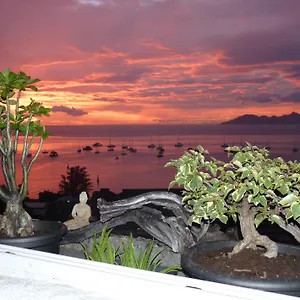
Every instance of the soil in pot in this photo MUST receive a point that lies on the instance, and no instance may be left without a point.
(210, 261)
(250, 263)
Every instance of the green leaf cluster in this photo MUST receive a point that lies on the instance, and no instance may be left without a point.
(19, 119)
(12, 84)
(215, 189)
(103, 251)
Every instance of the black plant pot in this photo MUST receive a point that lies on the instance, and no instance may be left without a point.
(194, 270)
(47, 238)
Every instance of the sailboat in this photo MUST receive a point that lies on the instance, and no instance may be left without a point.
(160, 147)
(132, 149)
(295, 149)
(224, 145)
(242, 143)
(190, 147)
(97, 144)
(178, 144)
(124, 145)
(160, 154)
(151, 145)
(53, 154)
(110, 145)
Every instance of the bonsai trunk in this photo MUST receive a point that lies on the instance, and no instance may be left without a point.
(251, 237)
(16, 222)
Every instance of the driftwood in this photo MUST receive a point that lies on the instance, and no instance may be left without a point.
(160, 214)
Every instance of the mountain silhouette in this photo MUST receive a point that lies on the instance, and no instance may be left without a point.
(291, 119)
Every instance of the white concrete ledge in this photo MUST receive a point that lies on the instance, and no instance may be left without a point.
(28, 274)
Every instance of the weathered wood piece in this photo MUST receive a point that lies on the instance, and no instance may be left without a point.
(160, 214)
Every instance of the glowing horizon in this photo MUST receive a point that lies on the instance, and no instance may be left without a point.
(146, 61)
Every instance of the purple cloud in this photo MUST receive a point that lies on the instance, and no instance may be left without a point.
(110, 100)
(69, 111)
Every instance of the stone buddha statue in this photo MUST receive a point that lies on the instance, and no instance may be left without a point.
(81, 213)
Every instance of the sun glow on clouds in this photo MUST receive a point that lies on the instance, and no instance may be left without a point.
(148, 61)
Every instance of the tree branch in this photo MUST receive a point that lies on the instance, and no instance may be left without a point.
(294, 230)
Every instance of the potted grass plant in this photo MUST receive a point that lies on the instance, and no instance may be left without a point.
(250, 188)
(20, 127)
(126, 255)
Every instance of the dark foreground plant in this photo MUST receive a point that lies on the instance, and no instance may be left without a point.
(251, 187)
(103, 251)
(76, 180)
(19, 128)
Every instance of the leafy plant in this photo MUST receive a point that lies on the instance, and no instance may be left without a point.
(18, 120)
(251, 187)
(143, 260)
(104, 251)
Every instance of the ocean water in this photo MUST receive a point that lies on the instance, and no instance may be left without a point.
(144, 169)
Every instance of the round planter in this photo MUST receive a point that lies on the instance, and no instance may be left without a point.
(194, 270)
(47, 238)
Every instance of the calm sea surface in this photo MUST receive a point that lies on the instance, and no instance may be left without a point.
(144, 169)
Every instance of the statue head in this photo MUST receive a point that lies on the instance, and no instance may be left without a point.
(83, 197)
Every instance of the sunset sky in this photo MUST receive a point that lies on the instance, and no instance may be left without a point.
(152, 61)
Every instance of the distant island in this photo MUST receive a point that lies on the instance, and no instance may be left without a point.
(291, 119)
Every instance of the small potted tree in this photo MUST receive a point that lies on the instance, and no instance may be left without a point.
(250, 188)
(20, 128)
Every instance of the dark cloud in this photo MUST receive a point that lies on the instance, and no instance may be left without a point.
(187, 81)
(292, 70)
(110, 100)
(243, 79)
(265, 97)
(127, 77)
(83, 89)
(259, 98)
(254, 8)
(295, 75)
(260, 47)
(69, 111)
(294, 97)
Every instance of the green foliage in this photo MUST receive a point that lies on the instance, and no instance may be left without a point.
(215, 189)
(75, 181)
(18, 119)
(104, 251)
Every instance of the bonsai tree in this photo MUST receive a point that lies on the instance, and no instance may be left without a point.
(19, 129)
(251, 187)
